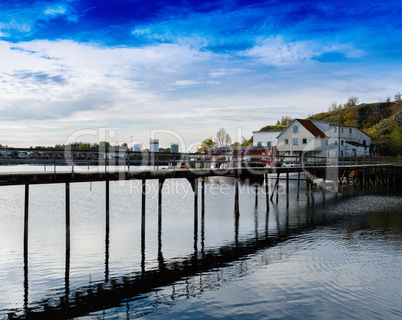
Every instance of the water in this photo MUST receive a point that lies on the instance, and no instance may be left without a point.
(338, 259)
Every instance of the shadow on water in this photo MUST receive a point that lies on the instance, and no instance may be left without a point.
(116, 291)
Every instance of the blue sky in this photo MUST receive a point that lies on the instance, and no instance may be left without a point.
(69, 68)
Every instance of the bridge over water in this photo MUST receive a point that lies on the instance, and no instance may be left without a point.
(363, 177)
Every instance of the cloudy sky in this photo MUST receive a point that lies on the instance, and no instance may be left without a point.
(118, 69)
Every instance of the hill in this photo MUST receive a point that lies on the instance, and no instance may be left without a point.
(382, 121)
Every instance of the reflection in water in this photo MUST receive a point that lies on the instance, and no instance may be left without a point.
(105, 295)
(176, 279)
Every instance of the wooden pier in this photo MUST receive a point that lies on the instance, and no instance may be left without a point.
(340, 178)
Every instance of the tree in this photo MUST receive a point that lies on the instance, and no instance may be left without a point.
(124, 144)
(351, 118)
(223, 139)
(284, 121)
(398, 97)
(206, 144)
(396, 140)
(104, 145)
(83, 147)
(352, 102)
(245, 142)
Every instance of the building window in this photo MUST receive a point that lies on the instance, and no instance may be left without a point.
(341, 153)
(259, 144)
(286, 141)
(341, 130)
(336, 142)
(342, 143)
(295, 129)
(326, 142)
(335, 129)
(304, 141)
(364, 142)
(350, 130)
(295, 142)
(269, 145)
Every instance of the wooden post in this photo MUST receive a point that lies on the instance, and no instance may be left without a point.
(237, 211)
(307, 188)
(277, 187)
(312, 191)
(273, 190)
(107, 230)
(202, 214)
(256, 195)
(67, 269)
(143, 198)
(267, 192)
(202, 198)
(195, 216)
(160, 187)
(336, 184)
(364, 180)
(324, 182)
(287, 189)
(107, 202)
(68, 207)
(26, 210)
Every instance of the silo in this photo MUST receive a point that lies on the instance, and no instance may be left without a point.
(174, 148)
(154, 145)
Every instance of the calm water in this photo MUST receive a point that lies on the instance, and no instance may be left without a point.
(338, 259)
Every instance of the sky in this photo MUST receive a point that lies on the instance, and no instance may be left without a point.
(177, 71)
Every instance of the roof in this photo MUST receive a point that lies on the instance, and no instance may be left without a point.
(310, 126)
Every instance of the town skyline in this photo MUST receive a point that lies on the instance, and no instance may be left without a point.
(128, 68)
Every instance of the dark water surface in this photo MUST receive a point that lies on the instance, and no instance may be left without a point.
(334, 259)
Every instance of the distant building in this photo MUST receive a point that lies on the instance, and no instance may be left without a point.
(137, 147)
(174, 148)
(322, 139)
(154, 145)
(265, 138)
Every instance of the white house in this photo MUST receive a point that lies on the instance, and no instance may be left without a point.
(323, 139)
(265, 138)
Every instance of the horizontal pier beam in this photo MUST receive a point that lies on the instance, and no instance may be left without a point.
(23, 178)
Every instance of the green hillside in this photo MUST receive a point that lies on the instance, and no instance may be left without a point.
(381, 120)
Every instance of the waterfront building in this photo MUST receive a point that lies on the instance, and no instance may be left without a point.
(322, 139)
(265, 138)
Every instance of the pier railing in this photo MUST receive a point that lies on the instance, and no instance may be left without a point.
(168, 160)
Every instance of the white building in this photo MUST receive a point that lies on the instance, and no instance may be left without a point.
(265, 138)
(154, 145)
(322, 139)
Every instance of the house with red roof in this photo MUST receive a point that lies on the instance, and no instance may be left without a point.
(322, 139)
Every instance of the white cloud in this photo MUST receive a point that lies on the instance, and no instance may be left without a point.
(186, 83)
(53, 88)
(53, 11)
(276, 51)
